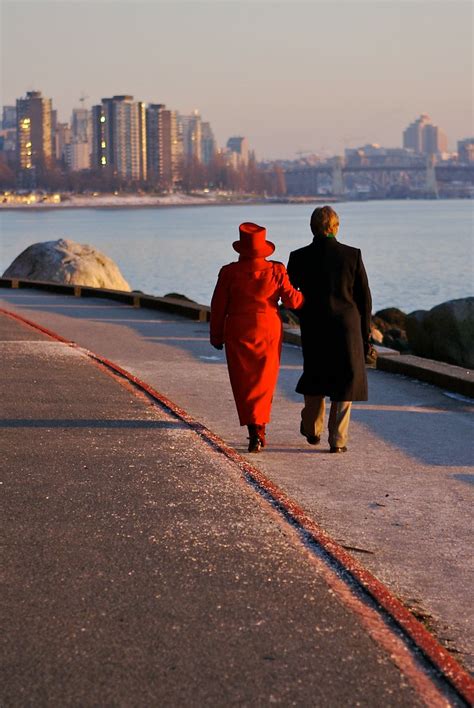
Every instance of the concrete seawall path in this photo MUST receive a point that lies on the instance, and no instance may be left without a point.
(399, 500)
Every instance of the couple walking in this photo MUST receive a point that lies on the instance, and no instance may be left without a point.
(326, 283)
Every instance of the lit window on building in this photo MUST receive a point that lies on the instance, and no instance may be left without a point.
(102, 144)
(103, 160)
(102, 119)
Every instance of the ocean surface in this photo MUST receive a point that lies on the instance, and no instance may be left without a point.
(417, 253)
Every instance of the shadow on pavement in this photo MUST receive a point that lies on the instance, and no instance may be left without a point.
(419, 435)
(71, 423)
(466, 478)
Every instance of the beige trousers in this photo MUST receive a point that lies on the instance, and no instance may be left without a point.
(312, 416)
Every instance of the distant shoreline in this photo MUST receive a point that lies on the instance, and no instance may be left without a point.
(145, 202)
(111, 207)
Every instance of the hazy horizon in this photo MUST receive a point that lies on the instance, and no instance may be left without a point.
(290, 76)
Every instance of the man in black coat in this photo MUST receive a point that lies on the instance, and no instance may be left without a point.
(335, 328)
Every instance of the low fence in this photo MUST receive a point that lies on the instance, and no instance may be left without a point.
(177, 306)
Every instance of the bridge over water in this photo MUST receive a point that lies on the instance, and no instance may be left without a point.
(337, 177)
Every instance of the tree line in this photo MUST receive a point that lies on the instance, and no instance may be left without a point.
(193, 176)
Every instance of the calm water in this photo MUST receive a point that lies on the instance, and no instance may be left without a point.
(417, 254)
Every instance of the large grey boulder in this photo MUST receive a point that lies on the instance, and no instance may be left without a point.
(444, 333)
(66, 261)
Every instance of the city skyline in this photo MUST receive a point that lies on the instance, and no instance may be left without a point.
(287, 86)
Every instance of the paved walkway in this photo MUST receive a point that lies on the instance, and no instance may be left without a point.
(141, 570)
(399, 499)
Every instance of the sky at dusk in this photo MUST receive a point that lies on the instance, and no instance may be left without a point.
(292, 76)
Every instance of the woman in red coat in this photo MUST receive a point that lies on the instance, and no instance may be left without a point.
(245, 317)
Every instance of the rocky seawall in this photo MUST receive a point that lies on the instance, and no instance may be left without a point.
(445, 333)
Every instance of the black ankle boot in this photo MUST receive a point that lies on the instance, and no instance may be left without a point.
(256, 437)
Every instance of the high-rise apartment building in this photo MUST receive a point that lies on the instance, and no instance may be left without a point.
(190, 129)
(208, 143)
(77, 155)
(164, 149)
(435, 141)
(102, 136)
(413, 134)
(158, 145)
(466, 150)
(155, 142)
(8, 143)
(141, 108)
(239, 150)
(81, 125)
(119, 137)
(62, 137)
(424, 138)
(34, 132)
(176, 148)
(8, 117)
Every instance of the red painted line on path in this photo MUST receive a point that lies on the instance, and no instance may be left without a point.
(23, 320)
(438, 656)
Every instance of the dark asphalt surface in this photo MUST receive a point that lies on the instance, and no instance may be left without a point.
(140, 569)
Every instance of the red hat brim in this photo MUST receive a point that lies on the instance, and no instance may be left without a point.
(266, 249)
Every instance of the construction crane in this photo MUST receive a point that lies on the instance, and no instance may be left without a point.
(82, 98)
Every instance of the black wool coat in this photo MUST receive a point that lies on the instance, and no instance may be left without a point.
(335, 319)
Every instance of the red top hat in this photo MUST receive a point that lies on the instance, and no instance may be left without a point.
(252, 241)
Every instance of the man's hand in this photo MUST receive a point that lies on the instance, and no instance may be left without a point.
(371, 355)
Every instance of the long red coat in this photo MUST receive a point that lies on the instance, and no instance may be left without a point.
(245, 317)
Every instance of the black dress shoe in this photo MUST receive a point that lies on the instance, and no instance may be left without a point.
(312, 439)
(338, 449)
